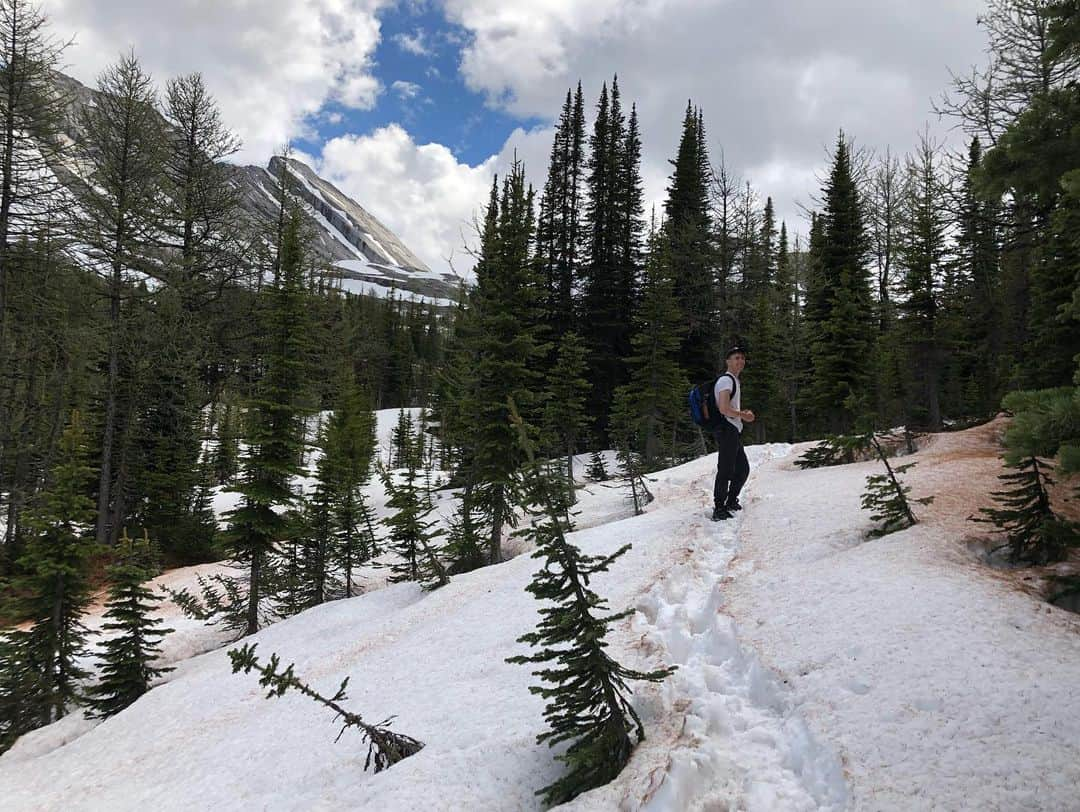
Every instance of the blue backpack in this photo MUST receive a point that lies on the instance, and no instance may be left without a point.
(703, 410)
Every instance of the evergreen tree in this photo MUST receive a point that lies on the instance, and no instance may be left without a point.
(839, 303)
(385, 748)
(652, 400)
(126, 670)
(118, 221)
(464, 549)
(275, 430)
(505, 349)
(980, 332)
(410, 532)
(52, 589)
(887, 496)
(613, 226)
(565, 418)
(597, 470)
(688, 226)
(922, 257)
(344, 470)
(1034, 533)
(559, 224)
(585, 688)
(31, 123)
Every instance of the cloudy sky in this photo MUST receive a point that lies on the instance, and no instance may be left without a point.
(410, 105)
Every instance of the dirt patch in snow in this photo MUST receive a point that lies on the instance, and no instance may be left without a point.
(960, 470)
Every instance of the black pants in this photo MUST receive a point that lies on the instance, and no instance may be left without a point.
(732, 467)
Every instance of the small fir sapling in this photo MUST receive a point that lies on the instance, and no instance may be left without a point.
(465, 548)
(597, 469)
(887, 496)
(585, 688)
(1034, 534)
(385, 747)
(222, 600)
(126, 670)
(625, 431)
(410, 533)
(835, 450)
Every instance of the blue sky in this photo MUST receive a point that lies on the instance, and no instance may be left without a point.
(417, 63)
(410, 106)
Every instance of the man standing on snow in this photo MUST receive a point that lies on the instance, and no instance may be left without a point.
(732, 467)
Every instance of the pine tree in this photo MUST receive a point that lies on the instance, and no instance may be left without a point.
(464, 549)
(559, 224)
(31, 123)
(410, 532)
(613, 226)
(119, 214)
(843, 323)
(275, 433)
(53, 589)
(652, 399)
(401, 439)
(586, 689)
(688, 229)
(887, 496)
(565, 418)
(126, 671)
(344, 470)
(505, 349)
(597, 470)
(385, 748)
(1033, 531)
(922, 257)
(980, 333)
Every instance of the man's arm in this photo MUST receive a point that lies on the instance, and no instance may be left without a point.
(725, 407)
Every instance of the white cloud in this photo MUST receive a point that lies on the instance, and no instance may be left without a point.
(776, 79)
(421, 192)
(415, 43)
(406, 90)
(270, 64)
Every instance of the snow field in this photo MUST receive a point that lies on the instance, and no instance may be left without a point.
(436, 661)
(942, 685)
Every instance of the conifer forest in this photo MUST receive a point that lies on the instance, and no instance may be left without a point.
(166, 345)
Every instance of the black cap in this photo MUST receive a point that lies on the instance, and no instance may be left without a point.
(737, 348)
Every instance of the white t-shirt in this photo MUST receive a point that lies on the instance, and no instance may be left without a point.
(723, 384)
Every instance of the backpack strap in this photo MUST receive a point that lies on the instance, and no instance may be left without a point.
(734, 384)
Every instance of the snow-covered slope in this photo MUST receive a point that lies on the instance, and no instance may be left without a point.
(366, 255)
(817, 671)
(363, 254)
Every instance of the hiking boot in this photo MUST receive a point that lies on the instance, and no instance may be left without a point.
(733, 504)
(719, 514)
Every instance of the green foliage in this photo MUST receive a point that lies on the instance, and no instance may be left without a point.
(887, 496)
(126, 669)
(835, 450)
(841, 322)
(565, 419)
(52, 588)
(627, 431)
(597, 469)
(275, 430)
(464, 549)
(585, 688)
(410, 532)
(506, 352)
(385, 747)
(686, 228)
(222, 600)
(650, 405)
(1034, 534)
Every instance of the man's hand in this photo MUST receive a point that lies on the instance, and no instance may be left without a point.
(748, 416)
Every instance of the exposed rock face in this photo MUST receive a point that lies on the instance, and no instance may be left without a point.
(354, 245)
